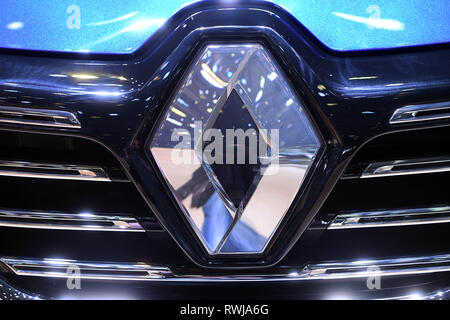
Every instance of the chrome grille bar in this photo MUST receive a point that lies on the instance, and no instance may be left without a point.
(391, 218)
(62, 268)
(65, 221)
(385, 267)
(39, 117)
(407, 167)
(52, 171)
(421, 112)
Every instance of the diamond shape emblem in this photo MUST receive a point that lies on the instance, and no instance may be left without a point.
(235, 178)
(235, 145)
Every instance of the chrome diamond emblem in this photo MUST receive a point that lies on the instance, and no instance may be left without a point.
(235, 145)
(235, 179)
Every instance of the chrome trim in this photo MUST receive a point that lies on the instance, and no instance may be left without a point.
(407, 167)
(412, 113)
(59, 268)
(284, 165)
(39, 117)
(391, 218)
(65, 221)
(370, 268)
(52, 171)
(443, 294)
(63, 268)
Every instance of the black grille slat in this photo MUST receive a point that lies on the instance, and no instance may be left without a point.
(67, 196)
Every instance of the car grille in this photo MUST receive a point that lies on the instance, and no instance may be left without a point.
(398, 213)
(56, 188)
(79, 187)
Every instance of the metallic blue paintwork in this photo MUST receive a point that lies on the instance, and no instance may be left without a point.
(111, 26)
(373, 24)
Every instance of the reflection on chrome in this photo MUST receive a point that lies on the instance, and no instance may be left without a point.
(39, 117)
(57, 268)
(391, 218)
(443, 294)
(52, 171)
(421, 112)
(407, 167)
(67, 221)
(140, 271)
(385, 267)
(235, 208)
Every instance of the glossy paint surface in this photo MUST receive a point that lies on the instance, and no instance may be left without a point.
(120, 27)
(119, 102)
(373, 24)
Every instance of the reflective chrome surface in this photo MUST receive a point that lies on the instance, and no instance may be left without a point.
(62, 268)
(246, 80)
(39, 117)
(443, 294)
(421, 112)
(52, 171)
(66, 221)
(385, 267)
(407, 167)
(58, 268)
(391, 218)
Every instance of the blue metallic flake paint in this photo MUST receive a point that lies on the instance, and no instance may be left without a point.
(106, 26)
(373, 24)
(112, 26)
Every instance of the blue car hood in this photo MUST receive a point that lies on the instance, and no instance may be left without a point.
(111, 26)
